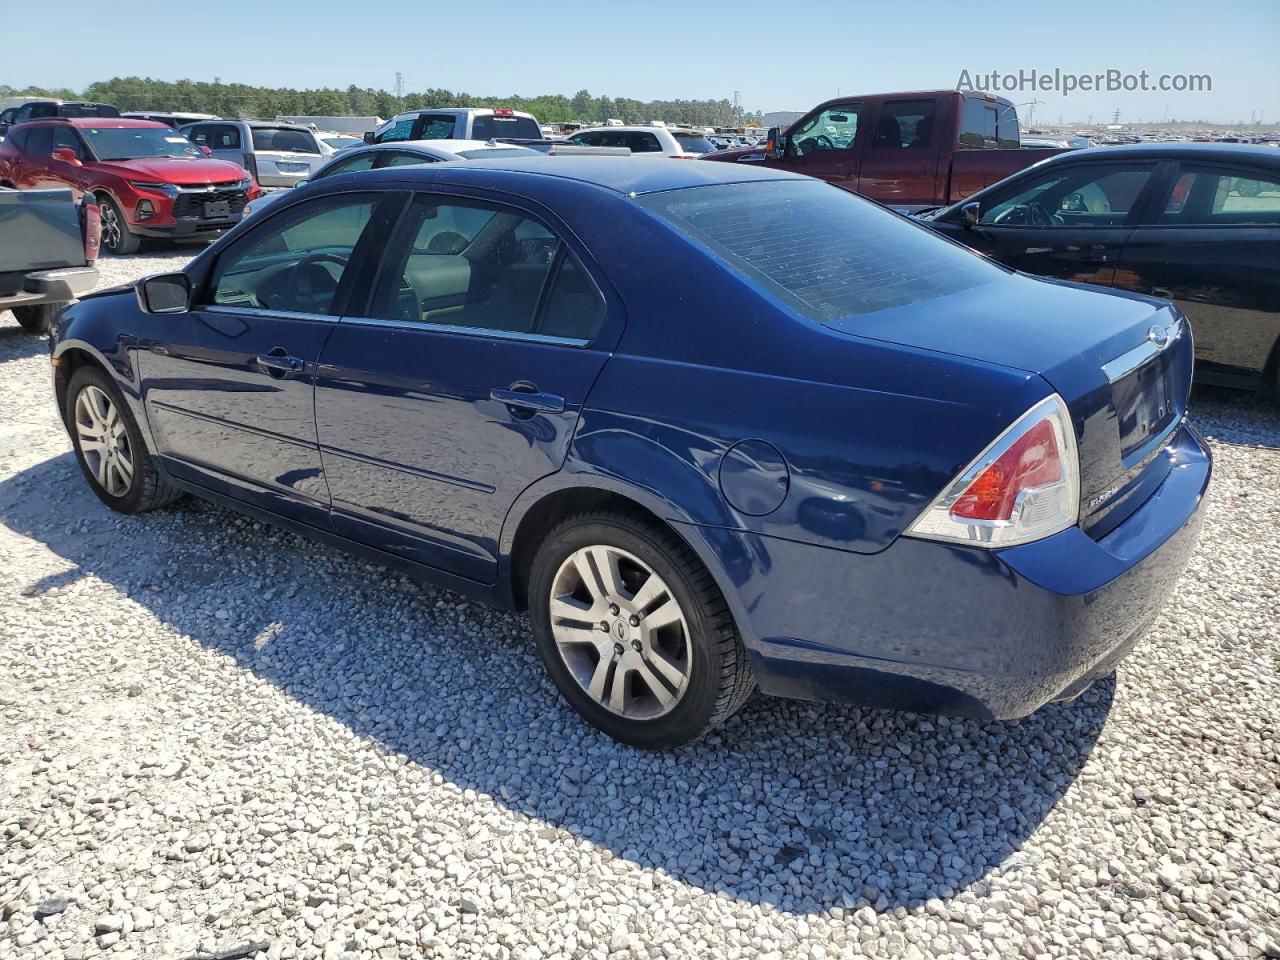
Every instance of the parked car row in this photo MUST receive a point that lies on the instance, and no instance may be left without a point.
(850, 460)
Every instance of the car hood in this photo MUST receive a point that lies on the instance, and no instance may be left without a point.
(183, 171)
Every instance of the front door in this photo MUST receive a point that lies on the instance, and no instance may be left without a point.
(1069, 222)
(462, 382)
(826, 144)
(229, 392)
(1212, 246)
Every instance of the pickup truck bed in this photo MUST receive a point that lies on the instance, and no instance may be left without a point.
(45, 261)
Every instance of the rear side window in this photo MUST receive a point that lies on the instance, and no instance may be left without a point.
(489, 127)
(436, 128)
(361, 161)
(1218, 197)
(978, 125)
(826, 253)
(574, 308)
(40, 141)
(398, 159)
(215, 136)
(695, 143)
(641, 143)
(904, 124)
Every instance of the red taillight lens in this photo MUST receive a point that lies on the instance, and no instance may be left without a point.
(1033, 461)
(92, 232)
(1023, 487)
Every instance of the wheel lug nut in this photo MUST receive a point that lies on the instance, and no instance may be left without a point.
(613, 608)
(618, 649)
(634, 621)
(604, 626)
(635, 645)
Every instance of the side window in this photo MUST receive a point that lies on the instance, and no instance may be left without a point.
(225, 137)
(1218, 197)
(361, 161)
(1086, 195)
(574, 307)
(1008, 136)
(295, 262)
(436, 128)
(904, 124)
(978, 125)
(24, 113)
(463, 263)
(67, 137)
(643, 143)
(40, 141)
(403, 130)
(586, 139)
(399, 159)
(831, 129)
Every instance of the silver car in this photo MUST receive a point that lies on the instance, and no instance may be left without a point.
(277, 154)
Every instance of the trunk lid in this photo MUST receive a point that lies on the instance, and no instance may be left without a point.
(1122, 363)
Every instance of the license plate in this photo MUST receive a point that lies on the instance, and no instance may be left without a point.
(292, 167)
(1143, 404)
(218, 210)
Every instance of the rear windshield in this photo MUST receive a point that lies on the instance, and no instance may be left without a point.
(694, 143)
(284, 140)
(520, 128)
(825, 252)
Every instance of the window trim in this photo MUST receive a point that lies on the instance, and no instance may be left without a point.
(1134, 216)
(1174, 173)
(428, 326)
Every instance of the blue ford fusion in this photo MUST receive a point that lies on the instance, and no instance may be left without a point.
(715, 427)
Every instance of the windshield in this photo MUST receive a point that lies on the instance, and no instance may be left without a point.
(339, 142)
(284, 140)
(129, 143)
(519, 128)
(694, 143)
(497, 153)
(825, 252)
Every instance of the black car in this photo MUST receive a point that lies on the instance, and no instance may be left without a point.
(1196, 223)
(45, 109)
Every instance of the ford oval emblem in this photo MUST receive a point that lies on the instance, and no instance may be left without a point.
(1158, 335)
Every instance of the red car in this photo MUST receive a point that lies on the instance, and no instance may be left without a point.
(149, 180)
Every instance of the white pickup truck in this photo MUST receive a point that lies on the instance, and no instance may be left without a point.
(458, 123)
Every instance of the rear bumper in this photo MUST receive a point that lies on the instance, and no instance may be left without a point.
(937, 628)
(52, 286)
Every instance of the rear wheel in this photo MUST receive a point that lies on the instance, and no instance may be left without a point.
(634, 631)
(109, 446)
(116, 235)
(37, 319)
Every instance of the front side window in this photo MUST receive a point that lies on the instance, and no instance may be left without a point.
(40, 141)
(361, 161)
(904, 124)
(295, 262)
(468, 264)
(1085, 195)
(67, 137)
(399, 159)
(401, 130)
(833, 128)
(130, 143)
(1209, 197)
(825, 252)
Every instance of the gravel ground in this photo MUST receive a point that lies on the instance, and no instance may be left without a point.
(215, 734)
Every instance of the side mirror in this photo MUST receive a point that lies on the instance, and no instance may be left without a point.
(67, 155)
(972, 213)
(204, 148)
(303, 182)
(368, 136)
(165, 293)
(775, 147)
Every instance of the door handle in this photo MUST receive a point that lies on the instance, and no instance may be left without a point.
(279, 364)
(527, 398)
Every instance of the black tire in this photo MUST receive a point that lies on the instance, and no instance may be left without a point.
(116, 235)
(720, 676)
(147, 489)
(37, 319)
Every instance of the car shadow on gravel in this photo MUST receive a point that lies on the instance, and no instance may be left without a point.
(802, 807)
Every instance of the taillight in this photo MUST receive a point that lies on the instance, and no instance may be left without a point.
(92, 231)
(1023, 487)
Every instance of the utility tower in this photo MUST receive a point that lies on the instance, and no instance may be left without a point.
(1115, 118)
(399, 84)
(737, 103)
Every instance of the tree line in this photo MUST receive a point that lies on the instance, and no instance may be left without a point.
(244, 100)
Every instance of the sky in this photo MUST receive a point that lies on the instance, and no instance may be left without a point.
(784, 56)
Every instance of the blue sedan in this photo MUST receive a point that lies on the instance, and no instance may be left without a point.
(715, 427)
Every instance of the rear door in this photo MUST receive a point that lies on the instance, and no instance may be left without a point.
(900, 163)
(462, 382)
(436, 126)
(1212, 246)
(1069, 221)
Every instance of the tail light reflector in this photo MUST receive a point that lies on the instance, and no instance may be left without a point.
(92, 231)
(1025, 486)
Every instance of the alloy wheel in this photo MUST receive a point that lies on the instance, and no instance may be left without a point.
(110, 225)
(620, 632)
(104, 441)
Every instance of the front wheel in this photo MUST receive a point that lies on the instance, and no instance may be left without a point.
(634, 631)
(116, 235)
(109, 446)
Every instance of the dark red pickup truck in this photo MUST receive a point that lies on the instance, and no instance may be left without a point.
(907, 150)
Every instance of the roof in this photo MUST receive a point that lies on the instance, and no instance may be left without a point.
(1253, 153)
(624, 175)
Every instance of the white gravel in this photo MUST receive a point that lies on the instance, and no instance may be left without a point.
(214, 734)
